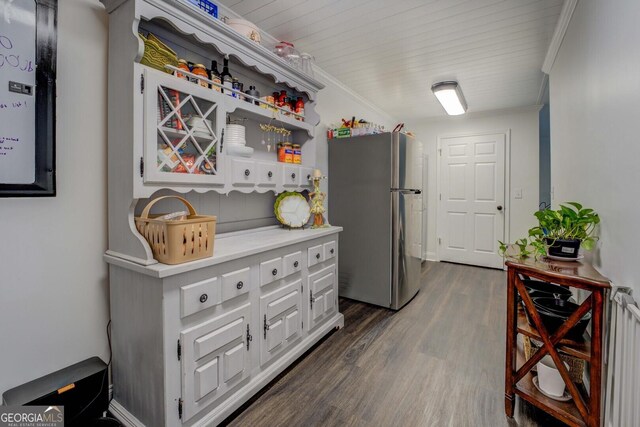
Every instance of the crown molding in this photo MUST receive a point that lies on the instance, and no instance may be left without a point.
(558, 35)
(543, 90)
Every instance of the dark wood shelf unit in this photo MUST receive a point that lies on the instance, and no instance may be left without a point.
(584, 409)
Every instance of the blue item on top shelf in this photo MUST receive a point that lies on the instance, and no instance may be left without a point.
(207, 6)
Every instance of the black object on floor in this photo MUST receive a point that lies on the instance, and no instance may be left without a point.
(82, 389)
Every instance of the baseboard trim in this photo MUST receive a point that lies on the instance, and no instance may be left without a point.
(257, 382)
(125, 417)
(432, 256)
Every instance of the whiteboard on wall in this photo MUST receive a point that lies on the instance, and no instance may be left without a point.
(17, 91)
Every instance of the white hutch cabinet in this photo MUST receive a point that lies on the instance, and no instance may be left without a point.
(192, 342)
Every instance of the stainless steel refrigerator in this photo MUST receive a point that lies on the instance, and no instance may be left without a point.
(375, 193)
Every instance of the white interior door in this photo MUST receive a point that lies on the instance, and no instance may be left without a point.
(471, 214)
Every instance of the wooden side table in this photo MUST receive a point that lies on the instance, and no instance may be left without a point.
(584, 409)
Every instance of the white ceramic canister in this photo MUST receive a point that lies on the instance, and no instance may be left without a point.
(549, 378)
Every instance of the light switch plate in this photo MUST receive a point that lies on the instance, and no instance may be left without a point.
(518, 193)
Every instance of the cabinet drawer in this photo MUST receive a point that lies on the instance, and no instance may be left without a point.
(235, 283)
(305, 177)
(198, 296)
(268, 174)
(316, 255)
(330, 250)
(292, 263)
(243, 172)
(270, 271)
(291, 176)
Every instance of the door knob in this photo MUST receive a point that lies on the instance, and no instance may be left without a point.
(499, 207)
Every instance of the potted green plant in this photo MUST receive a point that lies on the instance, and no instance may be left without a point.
(560, 233)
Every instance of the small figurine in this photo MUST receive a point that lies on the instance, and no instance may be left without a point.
(317, 201)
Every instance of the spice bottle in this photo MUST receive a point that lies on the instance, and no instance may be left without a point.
(199, 70)
(253, 92)
(288, 152)
(215, 76)
(297, 154)
(299, 109)
(226, 76)
(182, 64)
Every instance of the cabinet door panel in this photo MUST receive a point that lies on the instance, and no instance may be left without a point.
(322, 298)
(292, 324)
(215, 359)
(206, 379)
(280, 313)
(182, 123)
(275, 334)
(233, 361)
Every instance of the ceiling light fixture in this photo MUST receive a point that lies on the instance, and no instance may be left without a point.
(450, 96)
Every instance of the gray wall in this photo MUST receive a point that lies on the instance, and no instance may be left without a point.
(545, 155)
(595, 106)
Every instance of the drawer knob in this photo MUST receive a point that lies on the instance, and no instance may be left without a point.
(247, 172)
(308, 177)
(293, 176)
(318, 255)
(240, 285)
(332, 251)
(270, 174)
(204, 298)
(275, 271)
(295, 264)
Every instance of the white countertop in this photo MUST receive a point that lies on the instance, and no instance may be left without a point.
(230, 246)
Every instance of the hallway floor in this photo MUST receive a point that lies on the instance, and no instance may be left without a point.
(437, 362)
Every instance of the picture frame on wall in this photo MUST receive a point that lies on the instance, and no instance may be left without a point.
(28, 51)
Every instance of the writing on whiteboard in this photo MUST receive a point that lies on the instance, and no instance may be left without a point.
(12, 105)
(7, 144)
(13, 59)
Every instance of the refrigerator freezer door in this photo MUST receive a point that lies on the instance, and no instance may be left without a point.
(406, 256)
(360, 201)
(406, 172)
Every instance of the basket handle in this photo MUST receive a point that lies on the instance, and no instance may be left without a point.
(145, 211)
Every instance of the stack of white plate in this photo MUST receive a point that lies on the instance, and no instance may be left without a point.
(235, 141)
(199, 127)
(235, 134)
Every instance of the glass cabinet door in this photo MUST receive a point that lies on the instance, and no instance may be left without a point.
(183, 123)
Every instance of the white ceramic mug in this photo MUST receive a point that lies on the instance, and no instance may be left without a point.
(549, 378)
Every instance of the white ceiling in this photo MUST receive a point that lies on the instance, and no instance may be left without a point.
(391, 52)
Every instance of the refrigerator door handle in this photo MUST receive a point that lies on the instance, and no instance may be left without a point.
(406, 190)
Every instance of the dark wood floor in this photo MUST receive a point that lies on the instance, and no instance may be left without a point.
(437, 362)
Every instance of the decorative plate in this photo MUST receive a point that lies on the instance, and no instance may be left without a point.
(292, 209)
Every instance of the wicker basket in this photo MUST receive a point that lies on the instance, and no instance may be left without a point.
(576, 366)
(157, 54)
(177, 241)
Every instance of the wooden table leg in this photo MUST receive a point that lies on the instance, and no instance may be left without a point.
(510, 365)
(596, 360)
